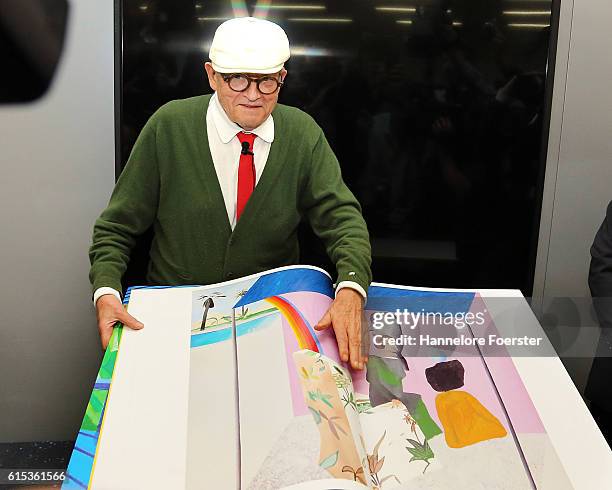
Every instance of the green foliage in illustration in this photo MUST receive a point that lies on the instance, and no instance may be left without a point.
(320, 362)
(243, 310)
(424, 420)
(344, 383)
(420, 452)
(225, 320)
(319, 395)
(363, 405)
(329, 461)
(315, 415)
(94, 410)
(378, 368)
(340, 378)
(97, 400)
(110, 355)
(348, 397)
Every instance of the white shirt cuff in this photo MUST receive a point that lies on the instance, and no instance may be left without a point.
(351, 285)
(105, 290)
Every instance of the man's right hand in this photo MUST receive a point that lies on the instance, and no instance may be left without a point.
(110, 311)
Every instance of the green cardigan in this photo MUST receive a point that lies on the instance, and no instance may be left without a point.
(170, 182)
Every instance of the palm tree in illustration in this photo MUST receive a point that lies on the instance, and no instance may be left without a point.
(243, 310)
(208, 304)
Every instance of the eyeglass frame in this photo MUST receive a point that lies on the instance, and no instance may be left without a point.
(227, 76)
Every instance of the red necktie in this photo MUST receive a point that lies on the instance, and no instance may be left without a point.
(246, 171)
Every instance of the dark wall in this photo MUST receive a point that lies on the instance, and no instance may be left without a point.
(437, 115)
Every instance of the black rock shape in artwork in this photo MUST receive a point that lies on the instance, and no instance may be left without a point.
(445, 376)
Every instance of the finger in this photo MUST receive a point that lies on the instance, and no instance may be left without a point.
(105, 335)
(355, 340)
(342, 341)
(129, 321)
(324, 322)
(355, 349)
(365, 343)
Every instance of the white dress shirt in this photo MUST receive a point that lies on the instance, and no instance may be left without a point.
(225, 151)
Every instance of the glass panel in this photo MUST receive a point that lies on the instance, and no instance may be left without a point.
(434, 108)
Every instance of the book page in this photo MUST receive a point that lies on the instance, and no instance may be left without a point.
(239, 408)
(327, 389)
(146, 408)
(436, 417)
(397, 449)
(213, 458)
(327, 484)
(279, 442)
(409, 435)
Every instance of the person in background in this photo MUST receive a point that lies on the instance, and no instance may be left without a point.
(599, 389)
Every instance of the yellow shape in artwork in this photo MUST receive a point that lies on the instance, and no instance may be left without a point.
(465, 420)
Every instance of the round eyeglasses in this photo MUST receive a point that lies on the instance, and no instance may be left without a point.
(240, 82)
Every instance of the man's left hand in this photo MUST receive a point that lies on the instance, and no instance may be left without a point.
(344, 316)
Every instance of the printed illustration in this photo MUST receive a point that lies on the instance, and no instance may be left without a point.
(465, 420)
(324, 395)
(264, 392)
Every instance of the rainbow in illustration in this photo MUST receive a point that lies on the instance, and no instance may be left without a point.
(304, 333)
(270, 287)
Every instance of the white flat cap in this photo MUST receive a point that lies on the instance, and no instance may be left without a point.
(249, 45)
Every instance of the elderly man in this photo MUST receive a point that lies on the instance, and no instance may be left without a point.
(225, 180)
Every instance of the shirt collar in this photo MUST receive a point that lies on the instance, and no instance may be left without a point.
(227, 129)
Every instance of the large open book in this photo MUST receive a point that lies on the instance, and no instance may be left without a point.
(229, 386)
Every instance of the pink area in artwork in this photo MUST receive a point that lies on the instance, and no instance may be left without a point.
(508, 384)
(477, 382)
(312, 306)
(518, 403)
